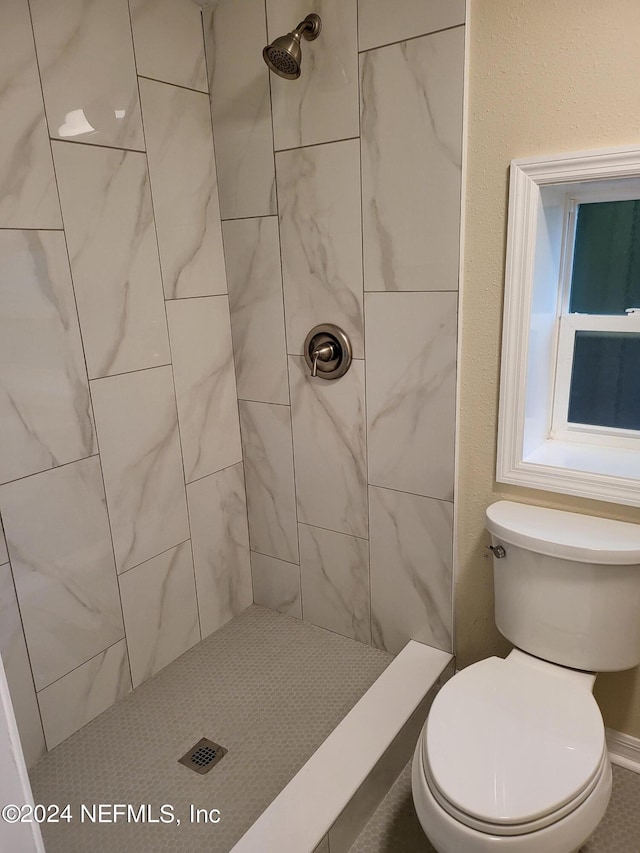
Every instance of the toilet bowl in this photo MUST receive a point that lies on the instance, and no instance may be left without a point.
(512, 756)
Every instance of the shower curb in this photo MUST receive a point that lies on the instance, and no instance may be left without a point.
(334, 794)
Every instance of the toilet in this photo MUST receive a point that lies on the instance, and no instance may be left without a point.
(513, 756)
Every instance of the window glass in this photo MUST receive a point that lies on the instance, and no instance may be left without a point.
(606, 260)
(605, 381)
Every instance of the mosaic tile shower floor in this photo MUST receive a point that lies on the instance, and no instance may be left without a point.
(268, 688)
(394, 828)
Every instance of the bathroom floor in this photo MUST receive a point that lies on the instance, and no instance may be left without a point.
(268, 688)
(394, 827)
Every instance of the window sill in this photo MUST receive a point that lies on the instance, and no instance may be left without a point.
(590, 471)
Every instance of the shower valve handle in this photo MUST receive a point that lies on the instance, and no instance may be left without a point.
(324, 352)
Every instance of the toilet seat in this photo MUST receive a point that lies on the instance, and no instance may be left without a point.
(513, 745)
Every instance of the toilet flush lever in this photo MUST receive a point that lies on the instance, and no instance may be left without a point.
(498, 551)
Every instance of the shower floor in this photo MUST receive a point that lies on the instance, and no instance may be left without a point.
(267, 687)
(394, 826)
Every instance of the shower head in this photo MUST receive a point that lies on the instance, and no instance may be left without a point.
(284, 55)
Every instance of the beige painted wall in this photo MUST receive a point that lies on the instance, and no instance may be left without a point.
(545, 76)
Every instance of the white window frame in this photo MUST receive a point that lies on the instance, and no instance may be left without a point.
(536, 446)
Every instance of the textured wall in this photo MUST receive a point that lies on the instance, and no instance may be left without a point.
(340, 200)
(121, 479)
(544, 77)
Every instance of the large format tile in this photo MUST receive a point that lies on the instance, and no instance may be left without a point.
(205, 384)
(70, 703)
(252, 255)
(235, 33)
(108, 220)
(381, 22)
(28, 197)
(85, 53)
(167, 36)
(160, 611)
(320, 230)
(335, 582)
(411, 162)
(411, 391)
(18, 671)
(271, 493)
(220, 539)
(137, 426)
(45, 409)
(322, 105)
(411, 569)
(177, 126)
(60, 548)
(276, 585)
(330, 448)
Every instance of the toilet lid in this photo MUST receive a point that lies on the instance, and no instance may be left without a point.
(507, 744)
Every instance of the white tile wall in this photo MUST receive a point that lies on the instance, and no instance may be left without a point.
(322, 105)
(105, 203)
(45, 408)
(87, 70)
(411, 162)
(134, 230)
(381, 22)
(160, 611)
(167, 37)
(205, 384)
(320, 232)
(271, 492)
(58, 538)
(184, 188)
(276, 584)
(28, 197)
(252, 253)
(235, 33)
(220, 537)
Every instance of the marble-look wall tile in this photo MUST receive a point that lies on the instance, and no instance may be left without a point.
(271, 494)
(411, 570)
(108, 220)
(28, 197)
(220, 539)
(411, 391)
(177, 126)
(137, 426)
(85, 53)
(73, 701)
(167, 36)
(235, 33)
(381, 22)
(322, 105)
(330, 448)
(18, 671)
(252, 254)
(160, 611)
(60, 548)
(276, 585)
(411, 162)
(205, 384)
(320, 229)
(335, 582)
(45, 409)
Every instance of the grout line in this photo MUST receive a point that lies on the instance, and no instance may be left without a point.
(213, 473)
(129, 372)
(46, 470)
(19, 228)
(271, 557)
(316, 144)
(241, 218)
(148, 559)
(415, 494)
(96, 145)
(93, 657)
(264, 402)
(410, 38)
(331, 530)
(167, 82)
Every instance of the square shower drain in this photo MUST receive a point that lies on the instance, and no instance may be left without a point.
(203, 756)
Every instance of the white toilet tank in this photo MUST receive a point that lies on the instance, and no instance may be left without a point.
(568, 586)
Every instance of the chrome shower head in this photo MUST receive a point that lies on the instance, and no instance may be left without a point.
(284, 55)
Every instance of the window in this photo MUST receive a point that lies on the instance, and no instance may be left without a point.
(570, 385)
